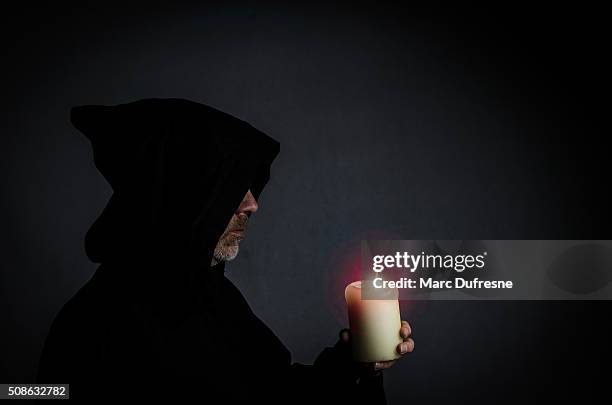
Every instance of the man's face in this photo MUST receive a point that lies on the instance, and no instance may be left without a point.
(227, 246)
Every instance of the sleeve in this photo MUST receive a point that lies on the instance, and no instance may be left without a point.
(335, 378)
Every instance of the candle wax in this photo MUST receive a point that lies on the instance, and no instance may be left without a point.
(375, 325)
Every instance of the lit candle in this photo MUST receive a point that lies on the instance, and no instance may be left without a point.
(375, 325)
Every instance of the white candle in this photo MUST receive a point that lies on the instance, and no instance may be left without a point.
(375, 325)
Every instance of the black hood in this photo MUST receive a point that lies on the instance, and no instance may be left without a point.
(155, 311)
(155, 314)
(178, 170)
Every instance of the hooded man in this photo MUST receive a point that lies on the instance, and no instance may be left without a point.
(159, 317)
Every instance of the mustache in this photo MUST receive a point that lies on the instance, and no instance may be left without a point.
(240, 222)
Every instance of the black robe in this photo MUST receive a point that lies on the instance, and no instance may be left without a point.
(156, 319)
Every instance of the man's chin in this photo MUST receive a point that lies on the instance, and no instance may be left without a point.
(227, 254)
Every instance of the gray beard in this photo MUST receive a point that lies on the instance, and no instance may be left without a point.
(226, 250)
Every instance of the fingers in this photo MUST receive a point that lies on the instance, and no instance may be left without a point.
(405, 330)
(345, 335)
(406, 346)
(382, 365)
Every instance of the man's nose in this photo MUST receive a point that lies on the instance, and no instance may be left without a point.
(248, 204)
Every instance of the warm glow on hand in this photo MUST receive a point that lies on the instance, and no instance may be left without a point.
(407, 346)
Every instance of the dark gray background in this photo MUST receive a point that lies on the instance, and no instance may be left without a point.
(405, 122)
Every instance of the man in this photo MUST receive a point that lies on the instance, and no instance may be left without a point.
(159, 317)
(228, 245)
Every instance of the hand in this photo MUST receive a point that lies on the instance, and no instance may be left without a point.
(407, 346)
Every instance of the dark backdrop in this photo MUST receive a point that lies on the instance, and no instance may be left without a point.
(401, 121)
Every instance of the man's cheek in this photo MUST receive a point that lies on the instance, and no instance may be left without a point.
(230, 240)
